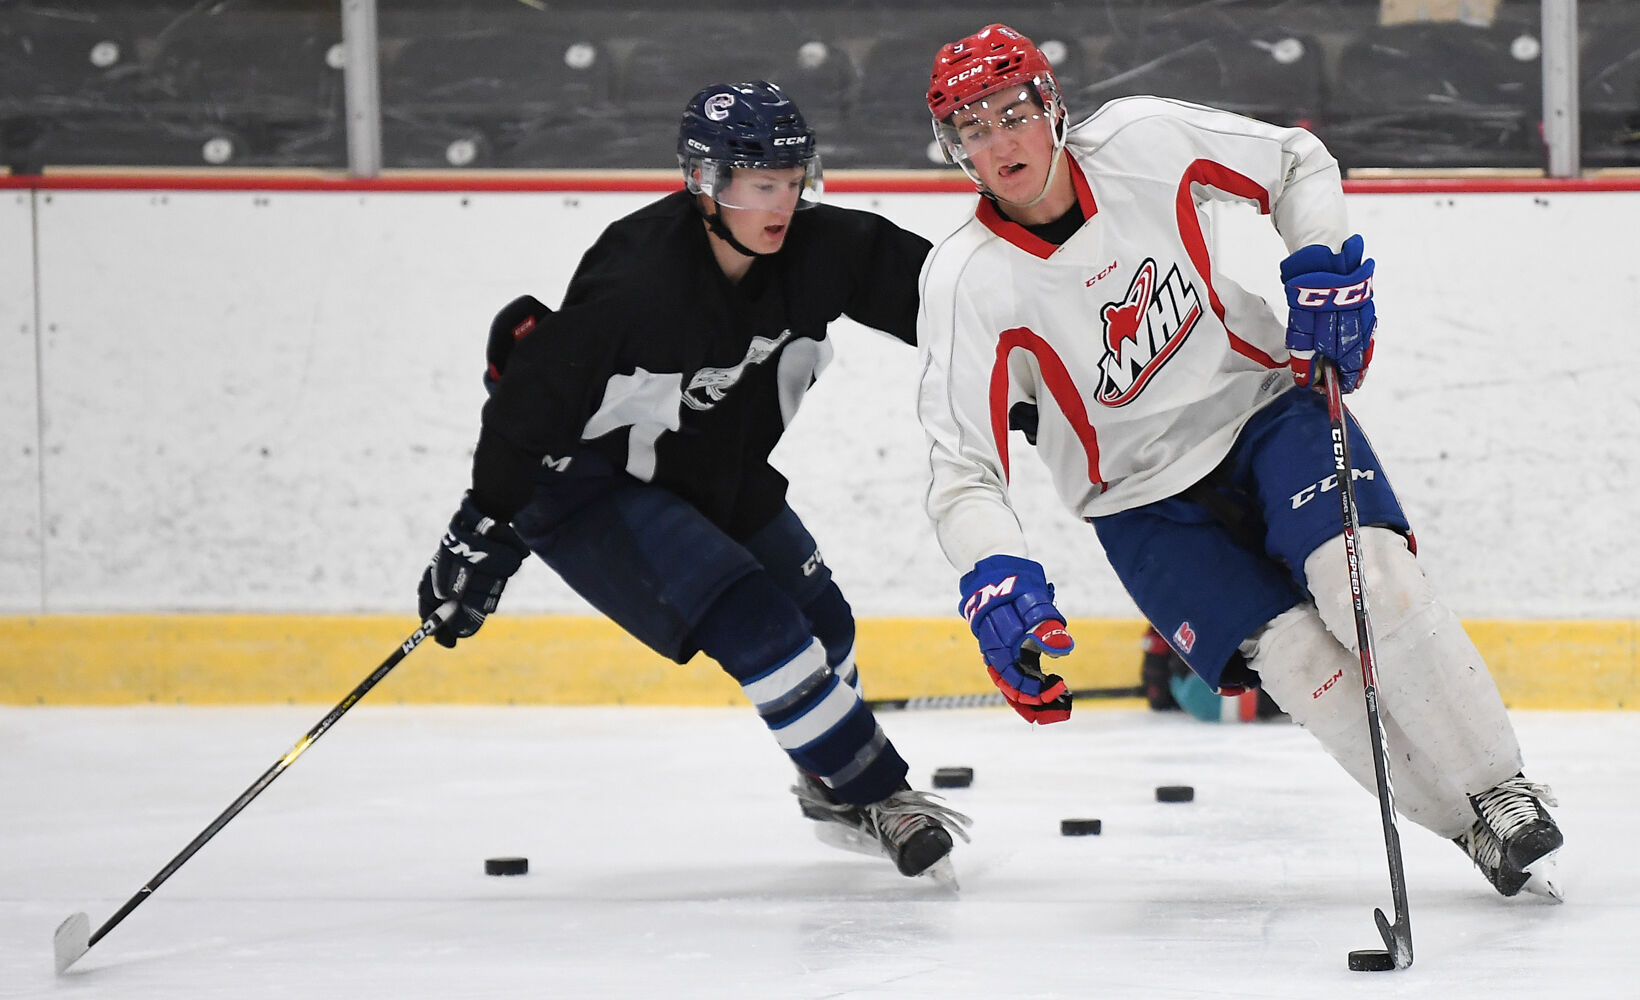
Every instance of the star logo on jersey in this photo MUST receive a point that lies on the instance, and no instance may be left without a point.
(1143, 330)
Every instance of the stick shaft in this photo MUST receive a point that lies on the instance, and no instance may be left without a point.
(1399, 937)
(407, 647)
(986, 699)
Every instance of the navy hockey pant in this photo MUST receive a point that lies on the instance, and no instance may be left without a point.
(1210, 566)
(765, 608)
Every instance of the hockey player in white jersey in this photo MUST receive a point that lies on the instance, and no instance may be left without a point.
(1176, 415)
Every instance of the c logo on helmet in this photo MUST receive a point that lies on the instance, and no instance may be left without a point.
(718, 105)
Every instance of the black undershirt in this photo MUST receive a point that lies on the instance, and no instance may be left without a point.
(1060, 229)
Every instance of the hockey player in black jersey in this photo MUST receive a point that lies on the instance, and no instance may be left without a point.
(627, 437)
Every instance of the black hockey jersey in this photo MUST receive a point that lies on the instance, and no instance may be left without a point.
(676, 375)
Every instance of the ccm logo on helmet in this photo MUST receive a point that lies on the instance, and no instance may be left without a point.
(789, 140)
(965, 74)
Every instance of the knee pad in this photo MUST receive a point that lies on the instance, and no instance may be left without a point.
(751, 625)
(1397, 590)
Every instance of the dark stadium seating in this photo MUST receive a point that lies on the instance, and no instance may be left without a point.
(1609, 69)
(1420, 95)
(467, 100)
(583, 84)
(1270, 73)
(218, 85)
(56, 71)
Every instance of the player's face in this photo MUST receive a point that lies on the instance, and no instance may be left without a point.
(1009, 139)
(757, 205)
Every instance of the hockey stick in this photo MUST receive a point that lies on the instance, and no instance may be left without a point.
(1397, 937)
(918, 702)
(73, 937)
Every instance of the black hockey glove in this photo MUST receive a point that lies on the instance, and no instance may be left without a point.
(472, 564)
(520, 316)
(1024, 417)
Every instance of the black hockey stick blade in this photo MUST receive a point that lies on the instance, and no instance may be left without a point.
(1397, 938)
(72, 939)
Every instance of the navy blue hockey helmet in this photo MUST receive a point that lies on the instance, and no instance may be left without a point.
(749, 125)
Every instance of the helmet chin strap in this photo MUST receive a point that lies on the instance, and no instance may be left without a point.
(1053, 171)
(716, 226)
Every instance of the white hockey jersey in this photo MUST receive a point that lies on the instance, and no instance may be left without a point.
(1143, 361)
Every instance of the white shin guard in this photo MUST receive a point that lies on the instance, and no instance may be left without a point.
(1448, 733)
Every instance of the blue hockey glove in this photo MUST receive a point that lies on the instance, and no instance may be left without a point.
(472, 565)
(1008, 603)
(1330, 311)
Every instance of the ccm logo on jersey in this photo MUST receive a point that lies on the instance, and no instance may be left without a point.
(1342, 298)
(986, 594)
(1184, 638)
(1103, 272)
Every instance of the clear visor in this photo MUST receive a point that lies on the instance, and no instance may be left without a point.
(982, 123)
(763, 189)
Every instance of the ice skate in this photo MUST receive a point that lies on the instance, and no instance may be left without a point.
(1514, 840)
(908, 827)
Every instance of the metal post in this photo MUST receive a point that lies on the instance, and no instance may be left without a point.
(1560, 109)
(361, 78)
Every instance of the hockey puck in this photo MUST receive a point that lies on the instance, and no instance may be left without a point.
(506, 866)
(1175, 793)
(953, 777)
(1079, 827)
(1371, 960)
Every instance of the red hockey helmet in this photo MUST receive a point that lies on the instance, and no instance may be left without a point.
(994, 57)
(967, 72)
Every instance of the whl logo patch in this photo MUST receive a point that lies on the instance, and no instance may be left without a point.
(1143, 330)
(1184, 638)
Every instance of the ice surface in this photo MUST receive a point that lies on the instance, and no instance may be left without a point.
(667, 860)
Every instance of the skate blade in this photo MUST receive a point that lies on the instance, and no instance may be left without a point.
(846, 838)
(1544, 878)
(943, 874)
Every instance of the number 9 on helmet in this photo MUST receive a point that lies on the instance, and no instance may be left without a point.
(749, 126)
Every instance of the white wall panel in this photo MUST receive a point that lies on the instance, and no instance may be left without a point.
(267, 402)
(20, 546)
